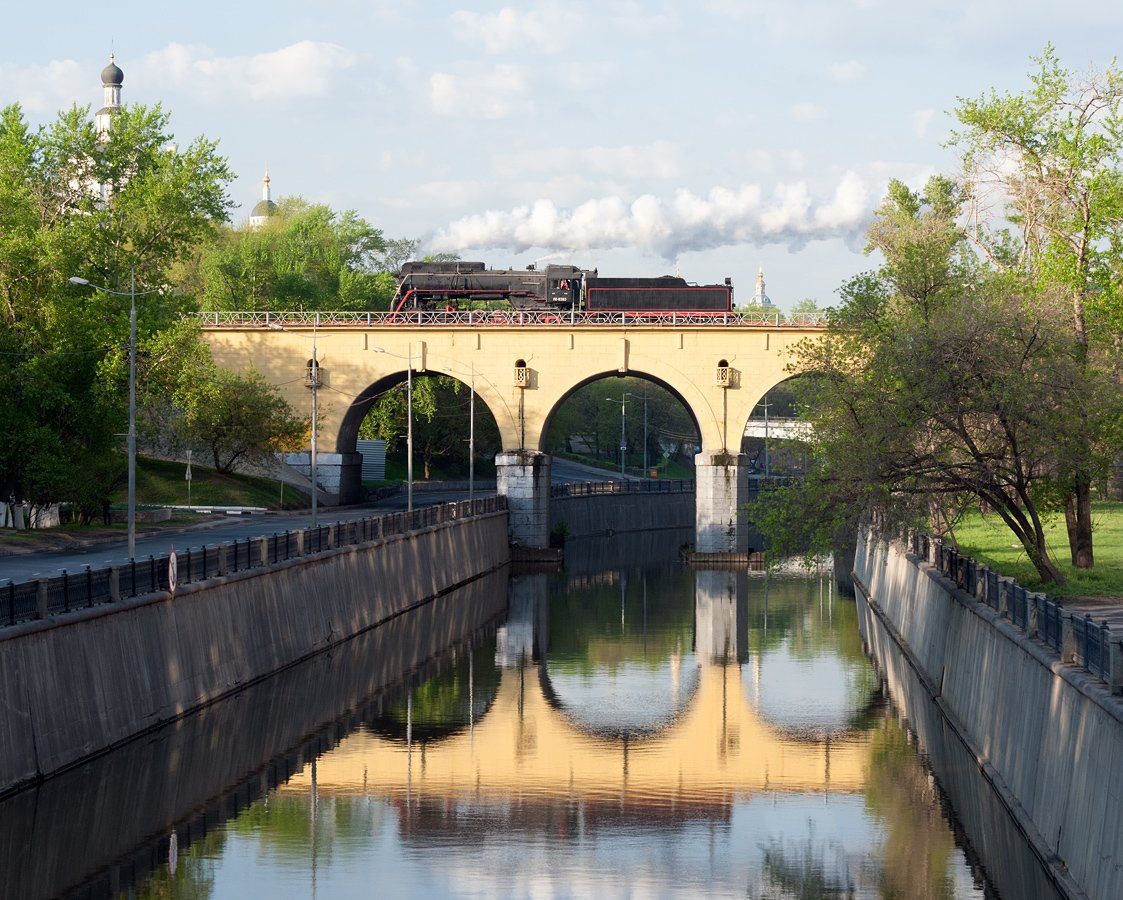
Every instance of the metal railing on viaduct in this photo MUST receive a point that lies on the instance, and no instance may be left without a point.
(1073, 637)
(41, 598)
(504, 317)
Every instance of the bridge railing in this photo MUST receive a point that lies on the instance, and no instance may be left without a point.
(503, 318)
(41, 598)
(644, 486)
(1075, 638)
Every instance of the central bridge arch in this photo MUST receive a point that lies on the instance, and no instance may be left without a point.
(522, 371)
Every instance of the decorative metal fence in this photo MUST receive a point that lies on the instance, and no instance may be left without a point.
(1093, 645)
(1050, 623)
(28, 600)
(495, 318)
(1036, 614)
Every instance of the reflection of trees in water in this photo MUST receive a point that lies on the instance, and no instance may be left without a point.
(919, 843)
(638, 616)
(194, 872)
(446, 703)
(803, 873)
(800, 618)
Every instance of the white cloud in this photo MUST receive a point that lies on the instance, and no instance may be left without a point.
(736, 118)
(685, 222)
(547, 28)
(850, 70)
(807, 112)
(443, 194)
(49, 88)
(494, 94)
(632, 162)
(301, 70)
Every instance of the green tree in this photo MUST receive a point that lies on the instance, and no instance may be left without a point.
(305, 257)
(238, 418)
(440, 423)
(941, 383)
(1046, 191)
(75, 203)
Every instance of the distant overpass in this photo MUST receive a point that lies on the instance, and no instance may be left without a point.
(783, 429)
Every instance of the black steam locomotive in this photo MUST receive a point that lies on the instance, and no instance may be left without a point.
(448, 285)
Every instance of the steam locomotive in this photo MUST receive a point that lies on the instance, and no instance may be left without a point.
(446, 285)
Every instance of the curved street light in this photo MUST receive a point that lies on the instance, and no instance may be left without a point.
(132, 294)
(623, 421)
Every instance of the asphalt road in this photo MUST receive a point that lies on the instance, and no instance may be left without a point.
(25, 567)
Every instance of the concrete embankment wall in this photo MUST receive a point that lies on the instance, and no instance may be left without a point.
(75, 685)
(617, 513)
(207, 767)
(1048, 736)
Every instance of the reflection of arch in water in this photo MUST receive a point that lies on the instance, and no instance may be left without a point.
(716, 748)
(583, 721)
(840, 695)
(408, 719)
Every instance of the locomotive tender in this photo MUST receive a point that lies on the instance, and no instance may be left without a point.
(436, 285)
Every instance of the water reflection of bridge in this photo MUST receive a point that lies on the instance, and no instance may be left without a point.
(527, 744)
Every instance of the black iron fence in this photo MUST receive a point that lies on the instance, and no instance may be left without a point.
(1092, 645)
(40, 598)
(644, 486)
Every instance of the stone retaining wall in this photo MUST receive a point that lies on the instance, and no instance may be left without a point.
(1048, 735)
(77, 684)
(594, 514)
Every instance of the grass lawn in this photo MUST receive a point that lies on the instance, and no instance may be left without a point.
(161, 483)
(988, 540)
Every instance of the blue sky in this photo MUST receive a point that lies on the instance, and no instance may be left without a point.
(711, 137)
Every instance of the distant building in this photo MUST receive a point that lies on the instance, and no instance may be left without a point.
(760, 298)
(265, 207)
(111, 80)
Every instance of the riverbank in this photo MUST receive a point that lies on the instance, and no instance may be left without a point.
(1048, 736)
(81, 682)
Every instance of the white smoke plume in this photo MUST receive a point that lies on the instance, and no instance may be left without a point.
(687, 222)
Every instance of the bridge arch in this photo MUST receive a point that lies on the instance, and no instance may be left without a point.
(521, 370)
(552, 413)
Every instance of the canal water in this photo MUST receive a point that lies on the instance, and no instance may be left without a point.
(627, 727)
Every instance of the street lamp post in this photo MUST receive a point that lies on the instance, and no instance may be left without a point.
(314, 375)
(623, 423)
(644, 398)
(131, 439)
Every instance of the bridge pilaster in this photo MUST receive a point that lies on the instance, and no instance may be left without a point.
(340, 475)
(722, 490)
(523, 477)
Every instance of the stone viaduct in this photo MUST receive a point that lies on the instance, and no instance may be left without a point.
(522, 366)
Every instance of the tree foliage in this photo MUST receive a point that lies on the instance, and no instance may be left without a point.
(305, 257)
(1043, 174)
(239, 418)
(441, 425)
(73, 203)
(942, 383)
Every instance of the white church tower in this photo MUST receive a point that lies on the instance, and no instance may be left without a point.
(111, 80)
(760, 298)
(264, 207)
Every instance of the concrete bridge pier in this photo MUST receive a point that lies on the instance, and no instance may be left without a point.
(524, 637)
(721, 492)
(523, 477)
(720, 616)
